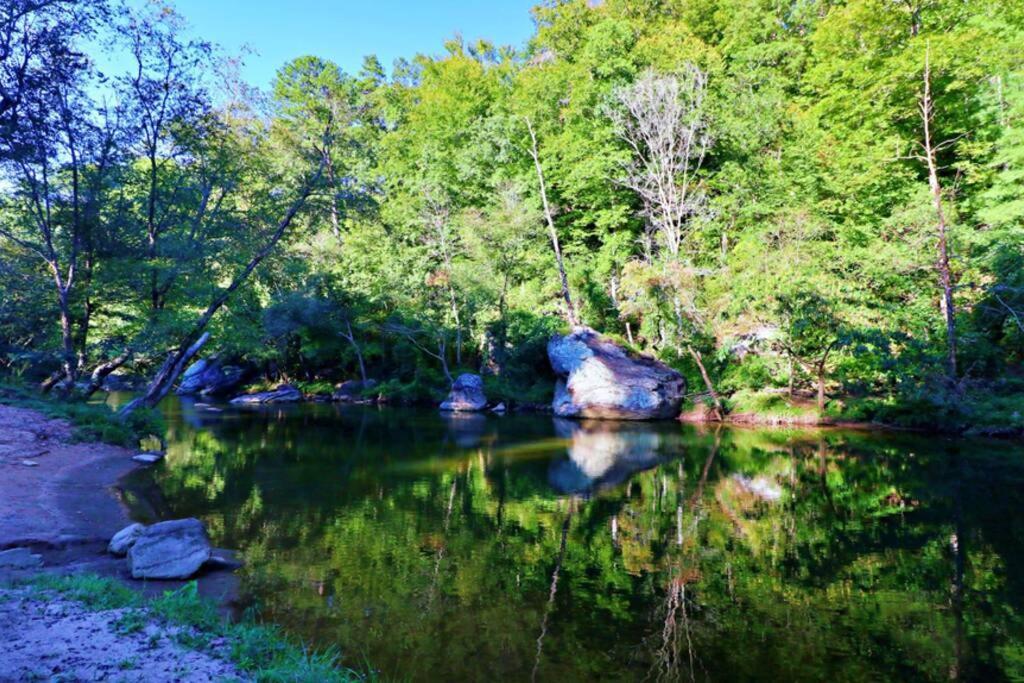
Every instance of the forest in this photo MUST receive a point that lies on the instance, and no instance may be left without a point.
(806, 207)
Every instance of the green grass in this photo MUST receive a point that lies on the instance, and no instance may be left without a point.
(771, 407)
(260, 650)
(973, 413)
(93, 422)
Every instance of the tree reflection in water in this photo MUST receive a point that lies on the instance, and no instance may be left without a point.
(514, 548)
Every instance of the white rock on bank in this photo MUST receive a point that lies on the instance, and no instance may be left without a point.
(170, 550)
(599, 379)
(148, 458)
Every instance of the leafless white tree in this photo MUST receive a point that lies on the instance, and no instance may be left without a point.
(663, 118)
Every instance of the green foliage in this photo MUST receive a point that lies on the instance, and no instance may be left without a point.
(425, 244)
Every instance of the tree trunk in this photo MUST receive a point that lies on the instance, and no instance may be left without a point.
(442, 355)
(103, 370)
(351, 337)
(942, 264)
(151, 233)
(821, 389)
(165, 378)
(335, 220)
(695, 354)
(67, 339)
(571, 315)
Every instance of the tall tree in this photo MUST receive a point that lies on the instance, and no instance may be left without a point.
(930, 149)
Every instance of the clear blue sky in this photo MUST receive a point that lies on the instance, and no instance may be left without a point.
(346, 30)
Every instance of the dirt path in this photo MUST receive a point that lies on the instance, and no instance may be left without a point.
(53, 492)
(56, 639)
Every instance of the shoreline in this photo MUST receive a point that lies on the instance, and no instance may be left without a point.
(68, 503)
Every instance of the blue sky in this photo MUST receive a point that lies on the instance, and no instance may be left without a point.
(346, 30)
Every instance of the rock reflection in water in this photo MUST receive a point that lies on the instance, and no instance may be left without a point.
(466, 430)
(602, 454)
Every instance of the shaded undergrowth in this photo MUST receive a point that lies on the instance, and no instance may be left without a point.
(92, 421)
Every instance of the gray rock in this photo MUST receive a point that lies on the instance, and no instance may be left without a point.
(124, 539)
(467, 394)
(599, 379)
(210, 378)
(285, 393)
(148, 458)
(352, 390)
(194, 377)
(30, 463)
(170, 550)
(19, 558)
(500, 408)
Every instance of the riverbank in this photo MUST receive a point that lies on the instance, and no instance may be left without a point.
(68, 608)
(982, 415)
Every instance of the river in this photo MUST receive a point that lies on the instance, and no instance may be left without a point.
(523, 547)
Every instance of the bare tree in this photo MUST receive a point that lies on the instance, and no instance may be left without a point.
(664, 120)
(571, 314)
(928, 156)
(350, 336)
(413, 334)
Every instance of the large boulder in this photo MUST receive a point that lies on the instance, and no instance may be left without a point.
(599, 379)
(209, 377)
(467, 394)
(352, 391)
(170, 550)
(285, 393)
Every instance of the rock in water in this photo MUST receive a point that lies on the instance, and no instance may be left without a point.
(124, 539)
(148, 458)
(599, 379)
(467, 394)
(210, 378)
(285, 393)
(170, 550)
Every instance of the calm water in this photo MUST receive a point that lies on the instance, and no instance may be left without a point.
(525, 548)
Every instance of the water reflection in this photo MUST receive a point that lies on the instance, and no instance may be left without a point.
(516, 548)
(603, 454)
